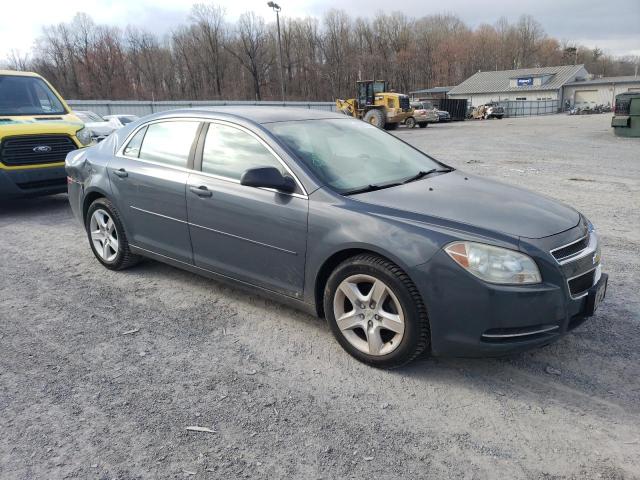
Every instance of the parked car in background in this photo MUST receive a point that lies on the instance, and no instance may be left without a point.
(343, 220)
(99, 127)
(422, 116)
(120, 120)
(37, 130)
(443, 116)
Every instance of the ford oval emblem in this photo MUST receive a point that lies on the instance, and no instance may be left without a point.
(42, 149)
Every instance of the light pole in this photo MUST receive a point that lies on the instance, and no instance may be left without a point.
(276, 8)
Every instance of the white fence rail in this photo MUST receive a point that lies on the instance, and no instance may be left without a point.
(141, 107)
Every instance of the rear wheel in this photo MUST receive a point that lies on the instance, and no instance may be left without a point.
(375, 312)
(375, 117)
(107, 237)
(423, 124)
(410, 122)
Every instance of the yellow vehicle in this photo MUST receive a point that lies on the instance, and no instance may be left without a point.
(37, 130)
(377, 106)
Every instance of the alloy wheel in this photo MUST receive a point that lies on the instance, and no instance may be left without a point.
(104, 235)
(369, 314)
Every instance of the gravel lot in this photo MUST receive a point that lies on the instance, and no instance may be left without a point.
(80, 399)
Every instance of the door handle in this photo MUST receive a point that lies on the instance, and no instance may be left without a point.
(122, 173)
(201, 191)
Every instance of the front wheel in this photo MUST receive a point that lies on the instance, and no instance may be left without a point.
(375, 312)
(107, 236)
(375, 117)
(410, 122)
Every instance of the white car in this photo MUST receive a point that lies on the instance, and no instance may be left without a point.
(99, 127)
(121, 120)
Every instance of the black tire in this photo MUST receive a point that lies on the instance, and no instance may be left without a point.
(124, 258)
(499, 117)
(375, 117)
(423, 124)
(410, 122)
(416, 336)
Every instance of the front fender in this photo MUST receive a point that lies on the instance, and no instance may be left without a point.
(338, 224)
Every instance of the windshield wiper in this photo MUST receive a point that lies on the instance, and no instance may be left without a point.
(370, 188)
(422, 174)
(418, 176)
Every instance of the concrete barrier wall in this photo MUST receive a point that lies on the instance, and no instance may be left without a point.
(142, 108)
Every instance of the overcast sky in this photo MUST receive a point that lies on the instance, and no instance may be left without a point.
(612, 26)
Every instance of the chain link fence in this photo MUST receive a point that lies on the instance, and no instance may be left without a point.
(528, 108)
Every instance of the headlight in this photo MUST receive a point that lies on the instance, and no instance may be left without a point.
(494, 264)
(84, 136)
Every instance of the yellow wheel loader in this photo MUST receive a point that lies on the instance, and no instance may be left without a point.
(375, 105)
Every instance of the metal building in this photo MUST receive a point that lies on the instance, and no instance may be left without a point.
(544, 84)
(599, 91)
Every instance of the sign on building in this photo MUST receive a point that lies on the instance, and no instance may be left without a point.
(526, 81)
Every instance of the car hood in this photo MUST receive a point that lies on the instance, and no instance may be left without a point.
(39, 125)
(100, 127)
(479, 202)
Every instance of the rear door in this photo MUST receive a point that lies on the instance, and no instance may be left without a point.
(148, 180)
(255, 235)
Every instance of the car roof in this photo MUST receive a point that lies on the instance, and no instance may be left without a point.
(17, 73)
(253, 113)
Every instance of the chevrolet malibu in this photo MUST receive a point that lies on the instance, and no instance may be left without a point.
(399, 252)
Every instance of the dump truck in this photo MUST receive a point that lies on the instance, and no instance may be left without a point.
(376, 105)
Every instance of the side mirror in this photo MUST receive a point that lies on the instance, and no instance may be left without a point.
(268, 177)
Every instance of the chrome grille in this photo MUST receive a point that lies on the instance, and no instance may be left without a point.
(568, 251)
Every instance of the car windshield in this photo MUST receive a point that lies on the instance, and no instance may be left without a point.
(28, 96)
(89, 116)
(349, 155)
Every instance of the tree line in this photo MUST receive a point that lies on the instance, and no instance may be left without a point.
(210, 57)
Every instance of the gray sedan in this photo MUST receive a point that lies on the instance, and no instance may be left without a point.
(399, 252)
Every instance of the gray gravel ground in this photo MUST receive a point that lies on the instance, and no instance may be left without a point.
(79, 399)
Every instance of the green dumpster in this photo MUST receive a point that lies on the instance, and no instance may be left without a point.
(626, 118)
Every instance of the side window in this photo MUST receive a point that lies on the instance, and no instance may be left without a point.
(229, 152)
(133, 147)
(169, 142)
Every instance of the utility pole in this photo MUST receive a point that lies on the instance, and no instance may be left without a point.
(276, 8)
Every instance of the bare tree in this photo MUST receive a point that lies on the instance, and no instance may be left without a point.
(208, 58)
(252, 50)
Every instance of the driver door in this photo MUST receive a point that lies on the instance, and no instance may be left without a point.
(254, 235)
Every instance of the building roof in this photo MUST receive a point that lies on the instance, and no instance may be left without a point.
(605, 80)
(498, 81)
(433, 90)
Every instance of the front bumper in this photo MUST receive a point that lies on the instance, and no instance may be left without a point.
(472, 318)
(32, 182)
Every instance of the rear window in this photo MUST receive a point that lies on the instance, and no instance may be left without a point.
(88, 116)
(28, 96)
